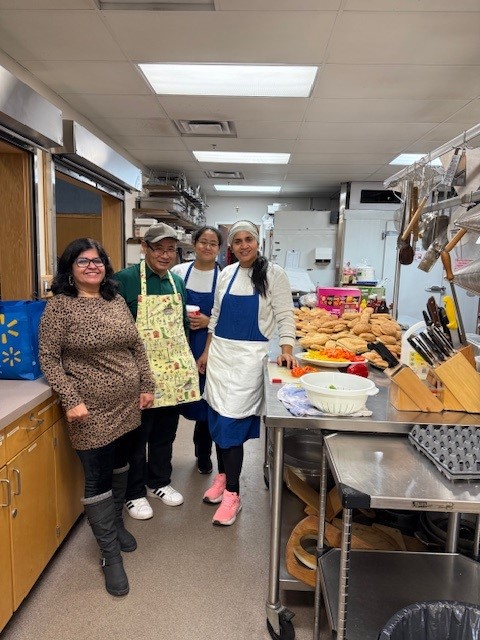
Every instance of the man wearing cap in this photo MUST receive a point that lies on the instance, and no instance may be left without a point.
(157, 298)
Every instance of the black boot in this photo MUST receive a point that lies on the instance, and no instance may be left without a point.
(119, 484)
(101, 516)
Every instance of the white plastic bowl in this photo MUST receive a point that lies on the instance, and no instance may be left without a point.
(349, 395)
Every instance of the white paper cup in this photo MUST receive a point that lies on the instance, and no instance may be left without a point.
(193, 310)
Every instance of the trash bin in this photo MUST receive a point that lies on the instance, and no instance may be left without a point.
(434, 620)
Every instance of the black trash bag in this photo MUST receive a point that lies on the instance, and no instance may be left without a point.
(435, 620)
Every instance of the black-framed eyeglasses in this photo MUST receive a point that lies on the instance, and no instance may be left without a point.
(158, 251)
(83, 263)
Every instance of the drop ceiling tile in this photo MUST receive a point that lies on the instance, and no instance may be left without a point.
(137, 143)
(265, 130)
(132, 126)
(448, 130)
(115, 106)
(354, 110)
(234, 144)
(387, 81)
(335, 167)
(364, 131)
(349, 146)
(424, 38)
(339, 158)
(223, 36)
(469, 113)
(100, 77)
(277, 5)
(411, 5)
(217, 108)
(47, 4)
(274, 172)
(56, 35)
(150, 156)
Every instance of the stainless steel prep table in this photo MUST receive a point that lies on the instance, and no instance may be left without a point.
(382, 472)
(385, 419)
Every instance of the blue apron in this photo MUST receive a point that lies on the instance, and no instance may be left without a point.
(197, 339)
(234, 387)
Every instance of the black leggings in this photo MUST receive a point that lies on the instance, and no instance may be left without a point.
(230, 463)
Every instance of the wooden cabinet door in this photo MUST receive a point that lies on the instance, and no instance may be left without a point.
(32, 513)
(6, 588)
(69, 481)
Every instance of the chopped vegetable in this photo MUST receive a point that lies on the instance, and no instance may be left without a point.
(336, 354)
(332, 386)
(298, 372)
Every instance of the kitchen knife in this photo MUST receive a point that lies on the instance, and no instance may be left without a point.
(444, 322)
(441, 340)
(433, 311)
(419, 349)
(436, 349)
(407, 381)
(427, 319)
(385, 354)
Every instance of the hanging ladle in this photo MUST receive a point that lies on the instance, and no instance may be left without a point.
(406, 251)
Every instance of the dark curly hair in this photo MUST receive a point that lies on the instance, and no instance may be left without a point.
(62, 281)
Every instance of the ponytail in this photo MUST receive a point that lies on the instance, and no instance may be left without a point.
(259, 275)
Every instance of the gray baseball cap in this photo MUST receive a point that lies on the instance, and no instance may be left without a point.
(159, 232)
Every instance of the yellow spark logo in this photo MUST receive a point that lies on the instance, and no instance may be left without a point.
(6, 328)
(11, 356)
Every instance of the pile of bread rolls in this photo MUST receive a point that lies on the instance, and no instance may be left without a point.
(317, 329)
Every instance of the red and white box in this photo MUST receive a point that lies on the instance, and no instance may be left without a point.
(337, 300)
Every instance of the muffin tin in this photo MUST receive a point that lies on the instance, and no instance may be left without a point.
(455, 451)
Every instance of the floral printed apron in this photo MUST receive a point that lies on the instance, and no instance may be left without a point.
(160, 325)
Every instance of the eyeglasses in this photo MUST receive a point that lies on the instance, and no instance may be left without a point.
(204, 243)
(83, 263)
(157, 251)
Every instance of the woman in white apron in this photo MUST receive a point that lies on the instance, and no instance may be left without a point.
(253, 297)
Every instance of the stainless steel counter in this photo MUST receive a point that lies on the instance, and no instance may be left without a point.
(385, 419)
(362, 590)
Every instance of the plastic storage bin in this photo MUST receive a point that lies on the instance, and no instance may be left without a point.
(435, 620)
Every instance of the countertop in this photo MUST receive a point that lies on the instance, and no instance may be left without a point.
(19, 396)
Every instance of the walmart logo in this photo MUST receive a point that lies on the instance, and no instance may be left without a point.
(6, 329)
(11, 356)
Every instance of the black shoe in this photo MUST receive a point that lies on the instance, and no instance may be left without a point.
(204, 465)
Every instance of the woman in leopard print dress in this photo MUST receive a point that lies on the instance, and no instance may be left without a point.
(92, 356)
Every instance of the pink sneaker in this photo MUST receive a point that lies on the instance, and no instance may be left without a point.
(215, 493)
(227, 512)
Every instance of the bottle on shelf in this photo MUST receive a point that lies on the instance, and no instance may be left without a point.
(382, 307)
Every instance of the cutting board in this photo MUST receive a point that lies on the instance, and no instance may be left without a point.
(282, 374)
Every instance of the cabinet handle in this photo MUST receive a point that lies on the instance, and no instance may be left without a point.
(38, 422)
(19, 482)
(9, 493)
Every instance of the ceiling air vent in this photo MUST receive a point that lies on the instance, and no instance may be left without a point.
(225, 175)
(214, 128)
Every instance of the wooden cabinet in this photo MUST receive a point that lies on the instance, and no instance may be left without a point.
(41, 486)
(32, 513)
(6, 587)
(68, 480)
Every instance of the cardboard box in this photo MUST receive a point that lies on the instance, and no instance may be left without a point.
(336, 300)
(368, 291)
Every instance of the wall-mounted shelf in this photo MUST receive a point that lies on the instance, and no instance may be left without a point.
(168, 190)
(164, 216)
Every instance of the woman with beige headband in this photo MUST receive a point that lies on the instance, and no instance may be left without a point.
(252, 299)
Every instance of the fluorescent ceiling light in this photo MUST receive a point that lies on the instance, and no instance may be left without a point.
(241, 157)
(407, 159)
(279, 81)
(258, 189)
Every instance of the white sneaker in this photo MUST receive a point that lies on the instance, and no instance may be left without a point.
(167, 495)
(139, 509)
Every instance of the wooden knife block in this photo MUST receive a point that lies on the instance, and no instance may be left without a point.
(450, 403)
(409, 393)
(462, 381)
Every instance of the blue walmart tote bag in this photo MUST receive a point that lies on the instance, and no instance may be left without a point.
(19, 322)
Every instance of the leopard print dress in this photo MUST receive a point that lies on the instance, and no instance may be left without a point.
(90, 352)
